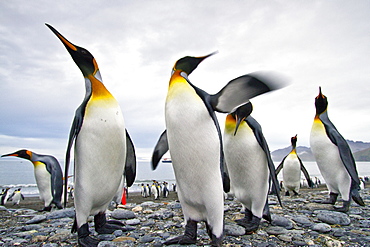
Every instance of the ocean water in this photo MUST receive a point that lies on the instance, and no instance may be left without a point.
(17, 173)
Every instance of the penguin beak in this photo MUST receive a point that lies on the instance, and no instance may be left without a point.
(204, 57)
(238, 121)
(70, 47)
(320, 94)
(12, 154)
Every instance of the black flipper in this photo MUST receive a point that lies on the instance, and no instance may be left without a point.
(344, 150)
(226, 179)
(305, 172)
(130, 165)
(257, 130)
(280, 166)
(266, 212)
(160, 149)
(239, 90)
(75, 129)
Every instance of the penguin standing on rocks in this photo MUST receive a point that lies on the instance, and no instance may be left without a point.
(16, 197)
(194, 140)
(292, 166)
(334, 158)
(249, 166)
(48, 175)
(103, 153)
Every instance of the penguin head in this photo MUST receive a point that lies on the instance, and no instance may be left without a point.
(25, 154)
(189, 64)
(321, 103)
(293, 140)
(241, 113)
(82, 57)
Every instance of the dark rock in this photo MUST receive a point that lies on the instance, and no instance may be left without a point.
(36, 219)
(276, 230)
(278, 220)
(234, 230)
(123, 214)
(321, 227)
(146, 239)
(333, 218)
(302, 221)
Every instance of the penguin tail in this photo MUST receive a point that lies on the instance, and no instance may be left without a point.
(74, 226)
(357, 198)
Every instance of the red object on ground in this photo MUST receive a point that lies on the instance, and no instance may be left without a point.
(123, 201)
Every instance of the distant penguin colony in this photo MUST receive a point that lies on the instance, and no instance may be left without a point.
(249, 166)
(292, 166)
(194, 140)
(48, 175)
(207, 164)
(103, 149)
(334, 158)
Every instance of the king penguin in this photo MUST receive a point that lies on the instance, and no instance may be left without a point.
(16, 196)
(48, 175)
(103, 151)
(334, 158)
(292, 166)
(249, 166)
(194, 140)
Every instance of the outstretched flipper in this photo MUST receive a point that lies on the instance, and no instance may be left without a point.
(280, 166)
(160, 149)
(130, 166)
(238, 91)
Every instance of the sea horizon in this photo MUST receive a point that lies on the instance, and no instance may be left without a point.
(19, 173)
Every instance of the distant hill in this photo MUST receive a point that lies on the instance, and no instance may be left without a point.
(363, 155)
(360, 150)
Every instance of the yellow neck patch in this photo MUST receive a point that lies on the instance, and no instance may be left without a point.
(230, 124)
(37, 164)
(177, 78)
(99, 91)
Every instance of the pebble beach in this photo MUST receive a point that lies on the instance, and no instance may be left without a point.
(302, 221)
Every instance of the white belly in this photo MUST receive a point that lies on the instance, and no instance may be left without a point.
(100, 154)
(43, 181)
(195, 151)
(248, 169)
(329, 162)
(292, 173)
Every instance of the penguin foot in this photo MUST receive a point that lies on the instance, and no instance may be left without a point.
(102, 226)
(215, 241)
(332, 199)
(59, 206)
(250, 225)
(84, 239)
(183, 240)
(88, 241)
(344, 208)
(190, 236)
(46, 209)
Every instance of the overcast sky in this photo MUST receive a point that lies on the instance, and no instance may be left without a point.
(136, 43)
